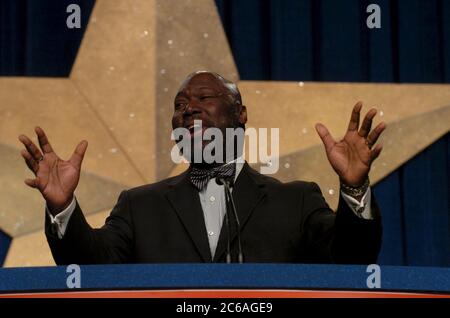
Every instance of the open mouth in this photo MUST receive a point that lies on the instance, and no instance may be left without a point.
(193, 127)
(196, 129)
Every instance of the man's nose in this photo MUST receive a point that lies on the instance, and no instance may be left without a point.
(192, 108)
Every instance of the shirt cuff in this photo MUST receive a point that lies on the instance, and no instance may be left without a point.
(59, 222)
(360, 208)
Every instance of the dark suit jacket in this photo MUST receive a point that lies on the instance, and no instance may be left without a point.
(163, 223)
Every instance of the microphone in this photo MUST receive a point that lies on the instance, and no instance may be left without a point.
(219, 181)
(228, 184)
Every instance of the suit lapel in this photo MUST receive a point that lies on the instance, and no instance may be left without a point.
(248, 191)
(185, 200)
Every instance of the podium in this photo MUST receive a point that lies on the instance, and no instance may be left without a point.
(224, 281)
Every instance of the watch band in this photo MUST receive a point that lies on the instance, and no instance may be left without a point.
(355, 191)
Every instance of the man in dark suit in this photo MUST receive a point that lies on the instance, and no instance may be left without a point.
(180, 219)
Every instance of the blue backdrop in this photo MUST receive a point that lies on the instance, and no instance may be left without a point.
(308, 40)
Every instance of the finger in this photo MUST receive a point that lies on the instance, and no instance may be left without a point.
(32, 183)
(354, 119)
(78, 154)
(376, 152)
(43, 141)
(31, 163)
(325, 135)
(31, 147)
(367, 123)
(373, 136)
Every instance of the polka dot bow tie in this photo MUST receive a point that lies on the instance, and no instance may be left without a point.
(200, 177)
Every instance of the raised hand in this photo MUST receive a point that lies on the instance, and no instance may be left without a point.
(56, 179)
(352, 156)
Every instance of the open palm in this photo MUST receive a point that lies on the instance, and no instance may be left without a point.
(56, 179)
(352, 156)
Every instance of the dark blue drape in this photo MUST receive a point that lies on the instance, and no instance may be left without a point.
(327, 40)
(310, 40)
(34, 38)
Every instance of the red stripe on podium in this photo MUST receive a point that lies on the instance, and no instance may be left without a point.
(215, 293)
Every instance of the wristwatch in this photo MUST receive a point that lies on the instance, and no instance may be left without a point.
(355, 191)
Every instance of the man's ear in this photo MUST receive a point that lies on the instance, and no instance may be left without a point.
(243, 115)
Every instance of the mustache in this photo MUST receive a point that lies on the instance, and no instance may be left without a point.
(202, 122)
